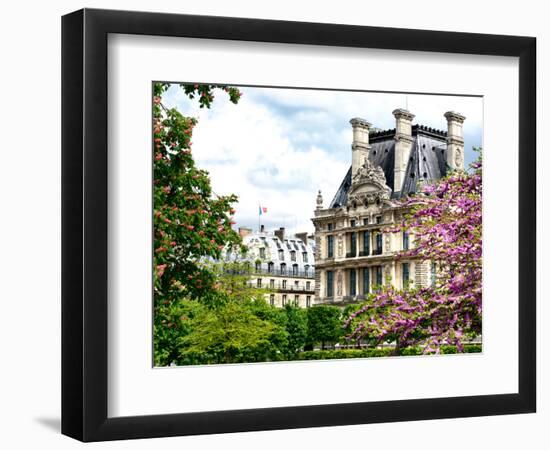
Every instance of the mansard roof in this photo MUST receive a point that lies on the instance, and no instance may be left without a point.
(426, 162)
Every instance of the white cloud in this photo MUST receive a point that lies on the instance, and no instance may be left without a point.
(278, 147)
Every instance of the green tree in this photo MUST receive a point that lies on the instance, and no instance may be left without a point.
(279, 338)
(324, 324)
(296, 327)
(228, 334)
(192, 225)
(191, 222)
(171, 327)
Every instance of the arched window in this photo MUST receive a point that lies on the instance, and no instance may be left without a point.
(295, 270)
(270, 267)
(283, 269)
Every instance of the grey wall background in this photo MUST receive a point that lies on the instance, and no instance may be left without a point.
(30, 225)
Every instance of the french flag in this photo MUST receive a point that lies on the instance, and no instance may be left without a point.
(262, 210)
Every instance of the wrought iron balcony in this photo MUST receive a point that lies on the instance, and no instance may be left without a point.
(291, 288)
(289, 272)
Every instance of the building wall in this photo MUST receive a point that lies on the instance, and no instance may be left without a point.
(344, 223)
(282, 265)
(282, 290)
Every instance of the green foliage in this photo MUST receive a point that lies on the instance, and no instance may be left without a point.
(380, 352)
(227, 334)
(297, 329)
(324, 324)
(191, 222)
(171, 325)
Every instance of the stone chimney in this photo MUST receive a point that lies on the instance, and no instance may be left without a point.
(302, 237)
(262, 228)
(244, 231)
(280, 233)
(403, 144)
(360, 144)
(455, 140)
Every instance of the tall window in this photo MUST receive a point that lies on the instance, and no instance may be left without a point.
(366, 243)
(378, 275)
(270, 267)
(284, 284)
(262, 252)
(306, 270)
(272, 299)
(296, 300)
(330, 283)
(283, 269)
(284, 299)
(304, 256)
(295, 269)
(308, 285)
(353, 244)
(308, 301)
(296, 285)
(281, 255)
(405, 240)
(352, 282)
(366, 280)
(259, 282)
(330, 226)
(272, 284)
(330, 246)
(258, 266)
(405, 267)
(293, 255)
(379, 243)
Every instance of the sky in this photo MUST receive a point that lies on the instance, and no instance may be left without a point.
(278, 147)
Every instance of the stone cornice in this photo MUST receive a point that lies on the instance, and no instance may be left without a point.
(403, 114)
(358, 122)
(453, 116)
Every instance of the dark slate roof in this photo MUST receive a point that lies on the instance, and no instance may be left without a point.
(427, 160)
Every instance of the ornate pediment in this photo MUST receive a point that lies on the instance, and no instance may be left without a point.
(368, 171)
(368, 186)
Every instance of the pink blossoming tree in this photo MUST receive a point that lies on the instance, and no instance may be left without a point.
(445, 218)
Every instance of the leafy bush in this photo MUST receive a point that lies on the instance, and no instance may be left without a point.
(378, 352)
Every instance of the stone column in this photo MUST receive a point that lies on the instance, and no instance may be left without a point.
(360, 144)
(455, 140)
(403, 144)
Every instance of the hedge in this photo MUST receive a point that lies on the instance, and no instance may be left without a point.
(379, 352)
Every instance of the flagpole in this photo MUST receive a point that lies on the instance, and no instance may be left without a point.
(259, 215)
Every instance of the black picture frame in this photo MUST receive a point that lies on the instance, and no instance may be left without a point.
(84, 224)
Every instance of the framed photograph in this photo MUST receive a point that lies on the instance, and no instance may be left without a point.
(273, 225)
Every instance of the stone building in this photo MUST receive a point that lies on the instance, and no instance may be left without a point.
(281, 263)
(354, 252)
